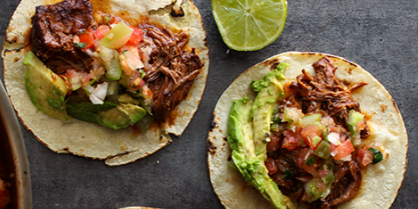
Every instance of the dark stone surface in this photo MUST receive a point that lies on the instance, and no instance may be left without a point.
(380, 35)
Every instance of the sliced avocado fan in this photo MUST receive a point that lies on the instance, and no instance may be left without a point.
(248, 134)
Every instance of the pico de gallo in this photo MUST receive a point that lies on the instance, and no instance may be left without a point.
(111, 69)
(319, 139)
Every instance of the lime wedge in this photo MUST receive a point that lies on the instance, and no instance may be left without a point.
(249, 25)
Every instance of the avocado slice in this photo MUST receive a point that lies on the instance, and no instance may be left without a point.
(86, 111)
(122, 116)
(263, 107)
(46, 89)
(108, 114)
(240, 138)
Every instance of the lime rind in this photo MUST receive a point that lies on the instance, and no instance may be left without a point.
(249, 25)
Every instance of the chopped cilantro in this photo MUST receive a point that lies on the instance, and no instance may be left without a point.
(80, 45)
(143, 74)
(287, 174)
(310, 161)
(377, 155)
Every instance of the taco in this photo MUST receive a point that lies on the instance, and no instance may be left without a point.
(108, 80)
(307, 130)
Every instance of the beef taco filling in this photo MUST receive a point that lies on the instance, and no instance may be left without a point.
(105, 70)
(318, 143)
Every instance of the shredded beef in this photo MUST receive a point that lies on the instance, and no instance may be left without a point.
(346, 185)
(171, 70)
(324, 94)
(289, 177)
(53, 31)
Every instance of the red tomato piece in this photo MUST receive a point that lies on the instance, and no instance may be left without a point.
(136, 37)
(291, 140)
(274, 143)
(141, 83)
(311, 130)
(101, 31)
(301, 159)
(364, 157)
(344, 149)
(87, 37)
(271, 166)
(149, 93)
(115, 20)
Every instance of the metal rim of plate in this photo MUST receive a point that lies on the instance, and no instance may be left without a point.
(23, 193)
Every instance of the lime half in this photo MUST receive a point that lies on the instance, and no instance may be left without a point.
(249, 25)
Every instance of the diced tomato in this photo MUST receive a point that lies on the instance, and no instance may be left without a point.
(333, 147)
(301, 159)
(123, 48)
(101, 31)
(149, 93)
(344, 149)
(274, 143)
(291, 140)
(271, 166)
(136, 37)
(361, 125)
(138, 83)
(364, 157)
(125, 67)
(87, 37)
(309, 132)
(115, 20)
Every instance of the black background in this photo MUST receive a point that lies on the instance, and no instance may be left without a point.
(380, 35)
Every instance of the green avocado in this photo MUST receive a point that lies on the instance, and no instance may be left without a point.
(122, 116)
(263, 108)
(46, 89)
(240, 139)
(87, 111)
(107, 114)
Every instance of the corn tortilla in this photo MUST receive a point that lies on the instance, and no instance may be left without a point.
(381, 182)
(116, 147)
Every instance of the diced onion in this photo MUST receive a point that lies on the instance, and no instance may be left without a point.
(95, 100)
(91, 53)
(90, 89)
(133, 61)
(346, 158)
(334, 138)
(101, 90)
(99, 93)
